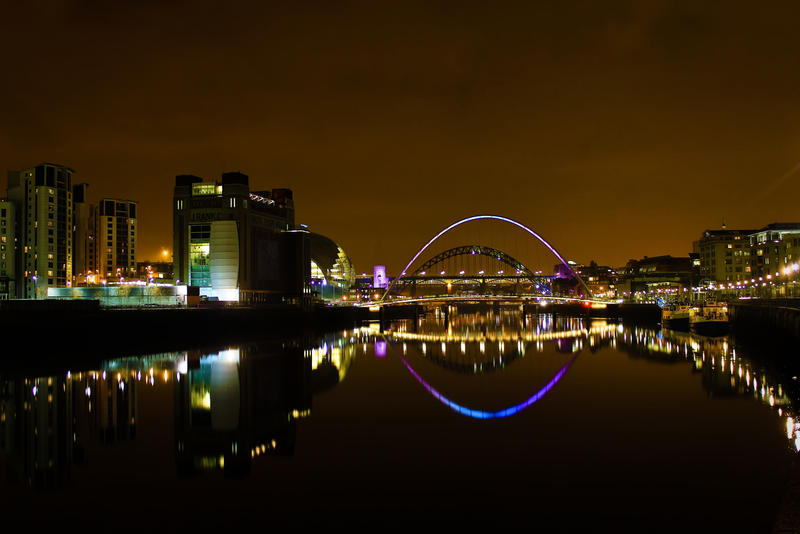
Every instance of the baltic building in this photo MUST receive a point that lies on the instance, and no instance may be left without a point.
(239, 245)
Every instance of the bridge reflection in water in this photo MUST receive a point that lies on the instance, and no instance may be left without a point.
(236, 405)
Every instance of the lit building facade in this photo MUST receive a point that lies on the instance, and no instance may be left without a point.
(774, 248)
(724, 255)
(655, 274)
(105, 238)
(236, 244)
(43, 199)
(116, 238)
(739, 255)
(8, 249)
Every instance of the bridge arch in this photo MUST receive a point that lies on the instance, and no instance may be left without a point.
(485, 414)
(473, 250)
(487, 217)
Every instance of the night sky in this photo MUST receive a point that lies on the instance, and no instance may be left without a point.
(615, 129)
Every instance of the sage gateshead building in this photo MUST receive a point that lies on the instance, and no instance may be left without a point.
(238, 245)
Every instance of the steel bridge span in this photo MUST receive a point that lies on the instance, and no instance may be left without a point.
(518, 273)
(507, 299)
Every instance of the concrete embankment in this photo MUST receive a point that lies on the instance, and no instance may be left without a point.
(49, 330)
(772, 319)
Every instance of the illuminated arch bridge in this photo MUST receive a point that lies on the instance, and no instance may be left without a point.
(463, 267)
(456, 271)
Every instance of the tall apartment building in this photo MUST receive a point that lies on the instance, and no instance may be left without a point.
(115, 239)
(105, 238)
(8, 249)
(43, 199)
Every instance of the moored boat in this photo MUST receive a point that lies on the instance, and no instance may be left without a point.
(676, 317)
(709, 319)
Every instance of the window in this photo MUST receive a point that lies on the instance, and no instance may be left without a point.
(199, 251)
(206, 189)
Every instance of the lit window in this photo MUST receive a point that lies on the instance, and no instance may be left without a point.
(202, 189)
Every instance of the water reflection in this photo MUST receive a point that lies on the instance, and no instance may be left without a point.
(235, 405)
(480, 343)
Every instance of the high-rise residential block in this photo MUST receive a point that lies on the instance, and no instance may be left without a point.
(8, 249)
(43, 199)
(115, 239)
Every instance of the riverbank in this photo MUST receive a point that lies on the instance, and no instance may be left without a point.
(766, 320)
(47, 331)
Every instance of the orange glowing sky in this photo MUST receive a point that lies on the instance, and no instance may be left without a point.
(615, 129)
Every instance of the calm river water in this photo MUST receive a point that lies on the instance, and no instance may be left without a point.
(491, 418)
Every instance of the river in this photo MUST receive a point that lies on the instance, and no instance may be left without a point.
(489, 418)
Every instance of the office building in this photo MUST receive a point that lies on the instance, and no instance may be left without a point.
(727, 256)
(774, 249)
(724, 255)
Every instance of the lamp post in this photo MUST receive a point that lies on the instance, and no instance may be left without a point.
(34, 278)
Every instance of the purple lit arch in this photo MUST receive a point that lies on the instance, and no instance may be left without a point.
(496, 218)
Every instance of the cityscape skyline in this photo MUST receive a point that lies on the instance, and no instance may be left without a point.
(615, 131)
(369, 263)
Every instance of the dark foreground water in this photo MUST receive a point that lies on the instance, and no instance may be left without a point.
(486, 419)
